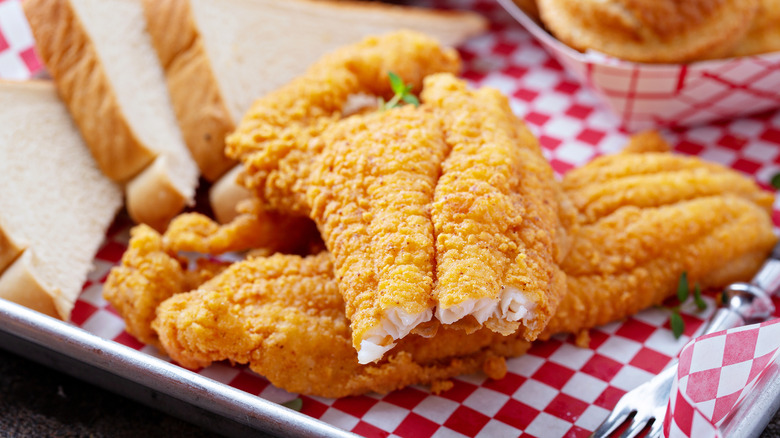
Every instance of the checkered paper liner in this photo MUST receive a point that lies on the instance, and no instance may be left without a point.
(646, 96)
(715, 374)
(556, 389)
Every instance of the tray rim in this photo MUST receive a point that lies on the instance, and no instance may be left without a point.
(157, 375)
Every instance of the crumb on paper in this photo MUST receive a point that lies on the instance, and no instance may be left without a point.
(440, 386)
(495, 367)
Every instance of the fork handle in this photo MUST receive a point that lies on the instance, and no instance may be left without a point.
(746, 303)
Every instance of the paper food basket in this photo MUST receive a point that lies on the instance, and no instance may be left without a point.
(646, 96)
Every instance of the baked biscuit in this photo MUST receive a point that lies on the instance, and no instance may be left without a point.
(764, 34)
(654, 31)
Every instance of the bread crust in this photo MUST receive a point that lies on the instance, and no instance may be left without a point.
(202, 112)
(203, 116)
(152, 198)
(19, 284)
(9, 248)
(226, 194)
(660, 31)
(70, 57)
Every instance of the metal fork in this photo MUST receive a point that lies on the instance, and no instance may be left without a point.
(645, 405)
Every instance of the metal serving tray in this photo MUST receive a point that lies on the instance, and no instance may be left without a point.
(149, 380)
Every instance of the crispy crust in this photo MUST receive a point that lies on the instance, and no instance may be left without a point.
(202, 113)
(497, 231)
(19, 285)
(9, 248)
(71, 59)
(647, 217)
(152, 198)
(657, 32)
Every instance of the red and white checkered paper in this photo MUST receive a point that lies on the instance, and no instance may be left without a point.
(715, 374)
(556, 389)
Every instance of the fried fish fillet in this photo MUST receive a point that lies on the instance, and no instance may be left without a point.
(273, 140)
(284, 316)
(499, 215)
(648, 217)
(650, 180)
(148, 275)
(370, 191)
(368, 181)
(456, 190)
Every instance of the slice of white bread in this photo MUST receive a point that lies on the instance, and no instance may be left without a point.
(107, 72)
(55, 204)
(225, 54)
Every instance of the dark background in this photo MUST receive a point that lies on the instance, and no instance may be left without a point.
(36, 401)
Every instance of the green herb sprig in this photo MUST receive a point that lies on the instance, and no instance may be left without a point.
(775, 181)
(403, 93)
(683, 293)
(295, 404)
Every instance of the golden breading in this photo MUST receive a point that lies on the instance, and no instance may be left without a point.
(650, 180)
(659, 31)
(370, 191)
(495, 214)
(459, 177)
(148, 275)
(646, 219)
(646, 141)
(274, 138)
(284, 316)
(252, 228)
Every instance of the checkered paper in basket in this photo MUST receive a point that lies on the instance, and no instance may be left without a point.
(715, 373)
(556, 389)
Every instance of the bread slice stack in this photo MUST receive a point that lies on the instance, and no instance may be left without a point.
(55, 204)
(106, 71)
(220, 56)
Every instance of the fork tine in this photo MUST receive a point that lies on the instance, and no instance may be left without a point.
(657, 429)
(635, 428)
(617, 417)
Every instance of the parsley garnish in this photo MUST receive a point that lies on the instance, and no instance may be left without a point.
(403, 93)
(775, 181)
(683, 292)
(295, 404)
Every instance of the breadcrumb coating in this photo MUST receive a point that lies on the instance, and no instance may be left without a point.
(273, 140)
(652, 179)
(370, 191)
(368, 182)
(495, 214)
(646, 219)
(284, 316)
(252, 228)
(456, 190)
(147, 275)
